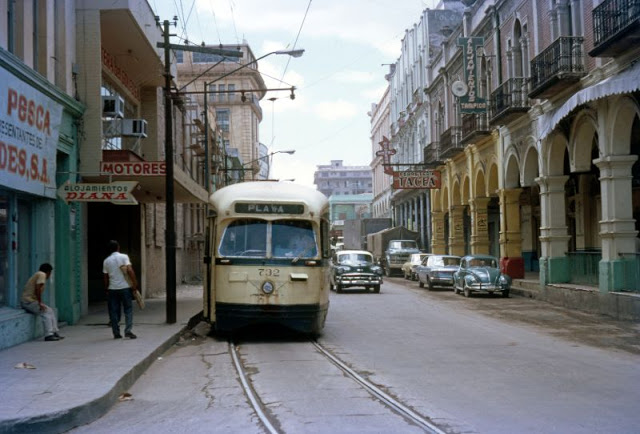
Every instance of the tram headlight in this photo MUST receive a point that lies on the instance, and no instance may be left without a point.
(267, 287)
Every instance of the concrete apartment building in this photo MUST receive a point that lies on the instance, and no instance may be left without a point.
(338, 179)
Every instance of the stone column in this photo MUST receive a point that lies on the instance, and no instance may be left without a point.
(511, 261)
(479, 226)
(421, 216)
(554, 237)
(438, 242)
(617, 226)
(456, 230)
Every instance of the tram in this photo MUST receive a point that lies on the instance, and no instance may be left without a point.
(267, 254)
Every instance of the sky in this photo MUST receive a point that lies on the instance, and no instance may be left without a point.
(348, 45)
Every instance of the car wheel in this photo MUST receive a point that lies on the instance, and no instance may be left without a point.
(467, 291)
(505, 293)
(455, 287)
(338, 288)
(376, 289)
(387, 271)
(420, 284)
(429, 285)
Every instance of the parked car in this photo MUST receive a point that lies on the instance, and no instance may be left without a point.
(480, 273)
(409, 267)
(351, 268)
(437, 271)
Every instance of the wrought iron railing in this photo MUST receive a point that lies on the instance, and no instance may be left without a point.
(474, 124)
(512, 94)
(612, 16)
(630, 272)
(450, 141)
(565, 55)
(584, 267)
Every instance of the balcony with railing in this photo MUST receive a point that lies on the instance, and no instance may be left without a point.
(475, 127)
(616, 27)
(560, 64)
(431, 157)
(451, 143)
(509, 101)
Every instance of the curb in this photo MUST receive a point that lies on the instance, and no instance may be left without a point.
(64, 420)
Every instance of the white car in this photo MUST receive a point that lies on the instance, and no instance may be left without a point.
(409, 267)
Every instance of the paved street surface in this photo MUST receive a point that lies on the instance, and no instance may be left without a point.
(78, 379)
(479, 365)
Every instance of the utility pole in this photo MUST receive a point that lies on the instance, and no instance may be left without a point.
(170, 231)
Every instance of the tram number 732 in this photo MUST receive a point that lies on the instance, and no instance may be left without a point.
(267, 255)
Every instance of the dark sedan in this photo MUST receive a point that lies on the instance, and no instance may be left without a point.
(437, 271)
(480, 273)
(351, 268)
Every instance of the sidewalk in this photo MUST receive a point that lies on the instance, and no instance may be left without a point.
(78, 379)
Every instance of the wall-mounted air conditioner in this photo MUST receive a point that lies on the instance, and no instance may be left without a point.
(134, 128)
(112, 106)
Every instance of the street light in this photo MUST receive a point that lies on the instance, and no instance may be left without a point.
(292, 53)
(269, 158)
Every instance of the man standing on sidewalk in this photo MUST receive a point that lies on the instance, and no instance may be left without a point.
(119, 281)
(31, 301)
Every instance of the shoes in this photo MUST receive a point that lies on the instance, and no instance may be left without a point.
(130, 335)
(117, 336)
(58, 336)
(51, 338)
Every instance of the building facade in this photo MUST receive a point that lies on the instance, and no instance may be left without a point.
(541, 167)
(234, 88)
(380, 131)
(83, 155)
(338, 179)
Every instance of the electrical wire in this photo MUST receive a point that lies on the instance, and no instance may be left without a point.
(295, 42)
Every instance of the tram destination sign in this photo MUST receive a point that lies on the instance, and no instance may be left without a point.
(416, 179)
(269, 208)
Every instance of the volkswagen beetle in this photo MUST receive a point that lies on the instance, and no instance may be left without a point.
(480, 273)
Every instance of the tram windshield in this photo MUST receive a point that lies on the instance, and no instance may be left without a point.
(249, 237)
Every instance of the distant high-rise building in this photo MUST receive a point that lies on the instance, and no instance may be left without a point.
(337, 179)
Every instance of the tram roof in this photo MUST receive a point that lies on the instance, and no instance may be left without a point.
(266, 191)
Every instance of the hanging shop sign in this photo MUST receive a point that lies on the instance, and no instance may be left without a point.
(470, 102)
(119, 193)
(29, 130)
(135, 168)
(416, 179)
(386, 152)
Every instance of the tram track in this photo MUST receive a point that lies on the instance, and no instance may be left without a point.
(269, 422)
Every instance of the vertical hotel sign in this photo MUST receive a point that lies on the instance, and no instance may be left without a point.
(471, 102)
(29, 129)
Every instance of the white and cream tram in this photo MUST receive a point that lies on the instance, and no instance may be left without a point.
(267, 253)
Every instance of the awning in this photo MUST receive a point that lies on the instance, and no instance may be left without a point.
(623, 82)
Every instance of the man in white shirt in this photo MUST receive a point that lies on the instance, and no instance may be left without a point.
(120, 282)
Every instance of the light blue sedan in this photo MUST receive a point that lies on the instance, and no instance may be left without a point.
(480, 273)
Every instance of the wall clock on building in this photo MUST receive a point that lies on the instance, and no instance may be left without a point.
(459, 88)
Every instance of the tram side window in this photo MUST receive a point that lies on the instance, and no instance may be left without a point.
(293, 238)
(246, 237)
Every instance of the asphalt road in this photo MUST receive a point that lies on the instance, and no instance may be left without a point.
(478, 365)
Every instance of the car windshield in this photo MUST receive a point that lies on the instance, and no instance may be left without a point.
(354, 257)
(483, 262)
